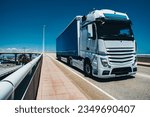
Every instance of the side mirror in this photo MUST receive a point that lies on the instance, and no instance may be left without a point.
(91, 31)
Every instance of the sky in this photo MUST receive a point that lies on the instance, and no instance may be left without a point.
(21, 21)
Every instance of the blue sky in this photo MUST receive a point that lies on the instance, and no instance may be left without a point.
(21, 20)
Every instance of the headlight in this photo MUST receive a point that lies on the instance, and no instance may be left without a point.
(134, 61)
(95, 63)
(104, 62)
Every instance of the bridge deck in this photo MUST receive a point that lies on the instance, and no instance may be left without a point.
(54, 84)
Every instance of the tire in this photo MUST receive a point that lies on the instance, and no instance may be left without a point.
(88, 69)
(59, 58)
(69, 61)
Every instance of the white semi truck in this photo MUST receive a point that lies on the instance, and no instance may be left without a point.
(101, 44)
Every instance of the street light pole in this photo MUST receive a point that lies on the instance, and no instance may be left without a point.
(44, 38)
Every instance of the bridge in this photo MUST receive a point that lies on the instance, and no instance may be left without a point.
(18, 53)
(45, 78)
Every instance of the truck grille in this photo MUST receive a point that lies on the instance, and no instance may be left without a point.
(120, 55)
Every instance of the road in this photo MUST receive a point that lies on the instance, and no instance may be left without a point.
(5, 70)
(126, 88)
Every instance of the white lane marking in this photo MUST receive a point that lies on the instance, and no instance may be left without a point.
(143, 75)
(113, 98)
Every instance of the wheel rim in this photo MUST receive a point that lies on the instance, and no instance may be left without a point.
(88, 69)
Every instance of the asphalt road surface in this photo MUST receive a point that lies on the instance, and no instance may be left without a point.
(124, 88)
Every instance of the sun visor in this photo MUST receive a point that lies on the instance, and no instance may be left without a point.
(115, 17)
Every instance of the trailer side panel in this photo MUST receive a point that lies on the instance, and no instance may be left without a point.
(67, 42)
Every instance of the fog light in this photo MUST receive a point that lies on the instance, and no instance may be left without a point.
(106, 72)
(95, 71)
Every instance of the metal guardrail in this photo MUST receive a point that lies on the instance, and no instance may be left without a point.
(18, 85)
(143, 58)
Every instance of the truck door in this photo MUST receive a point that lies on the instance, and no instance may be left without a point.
(88, 42)
(91, 40)
(83, 41)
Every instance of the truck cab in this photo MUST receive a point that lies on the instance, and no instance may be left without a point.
(107, 44)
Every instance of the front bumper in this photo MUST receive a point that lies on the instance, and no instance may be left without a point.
(108, 73)
(114, 71)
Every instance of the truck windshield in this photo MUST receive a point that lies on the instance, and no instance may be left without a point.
(116, 30)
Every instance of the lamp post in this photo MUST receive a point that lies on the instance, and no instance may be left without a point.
(44, 38)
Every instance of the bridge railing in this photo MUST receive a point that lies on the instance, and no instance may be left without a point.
(22, 84)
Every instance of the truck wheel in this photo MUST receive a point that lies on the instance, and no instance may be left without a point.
(69, 61)
(88, 69)
(59, 58)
